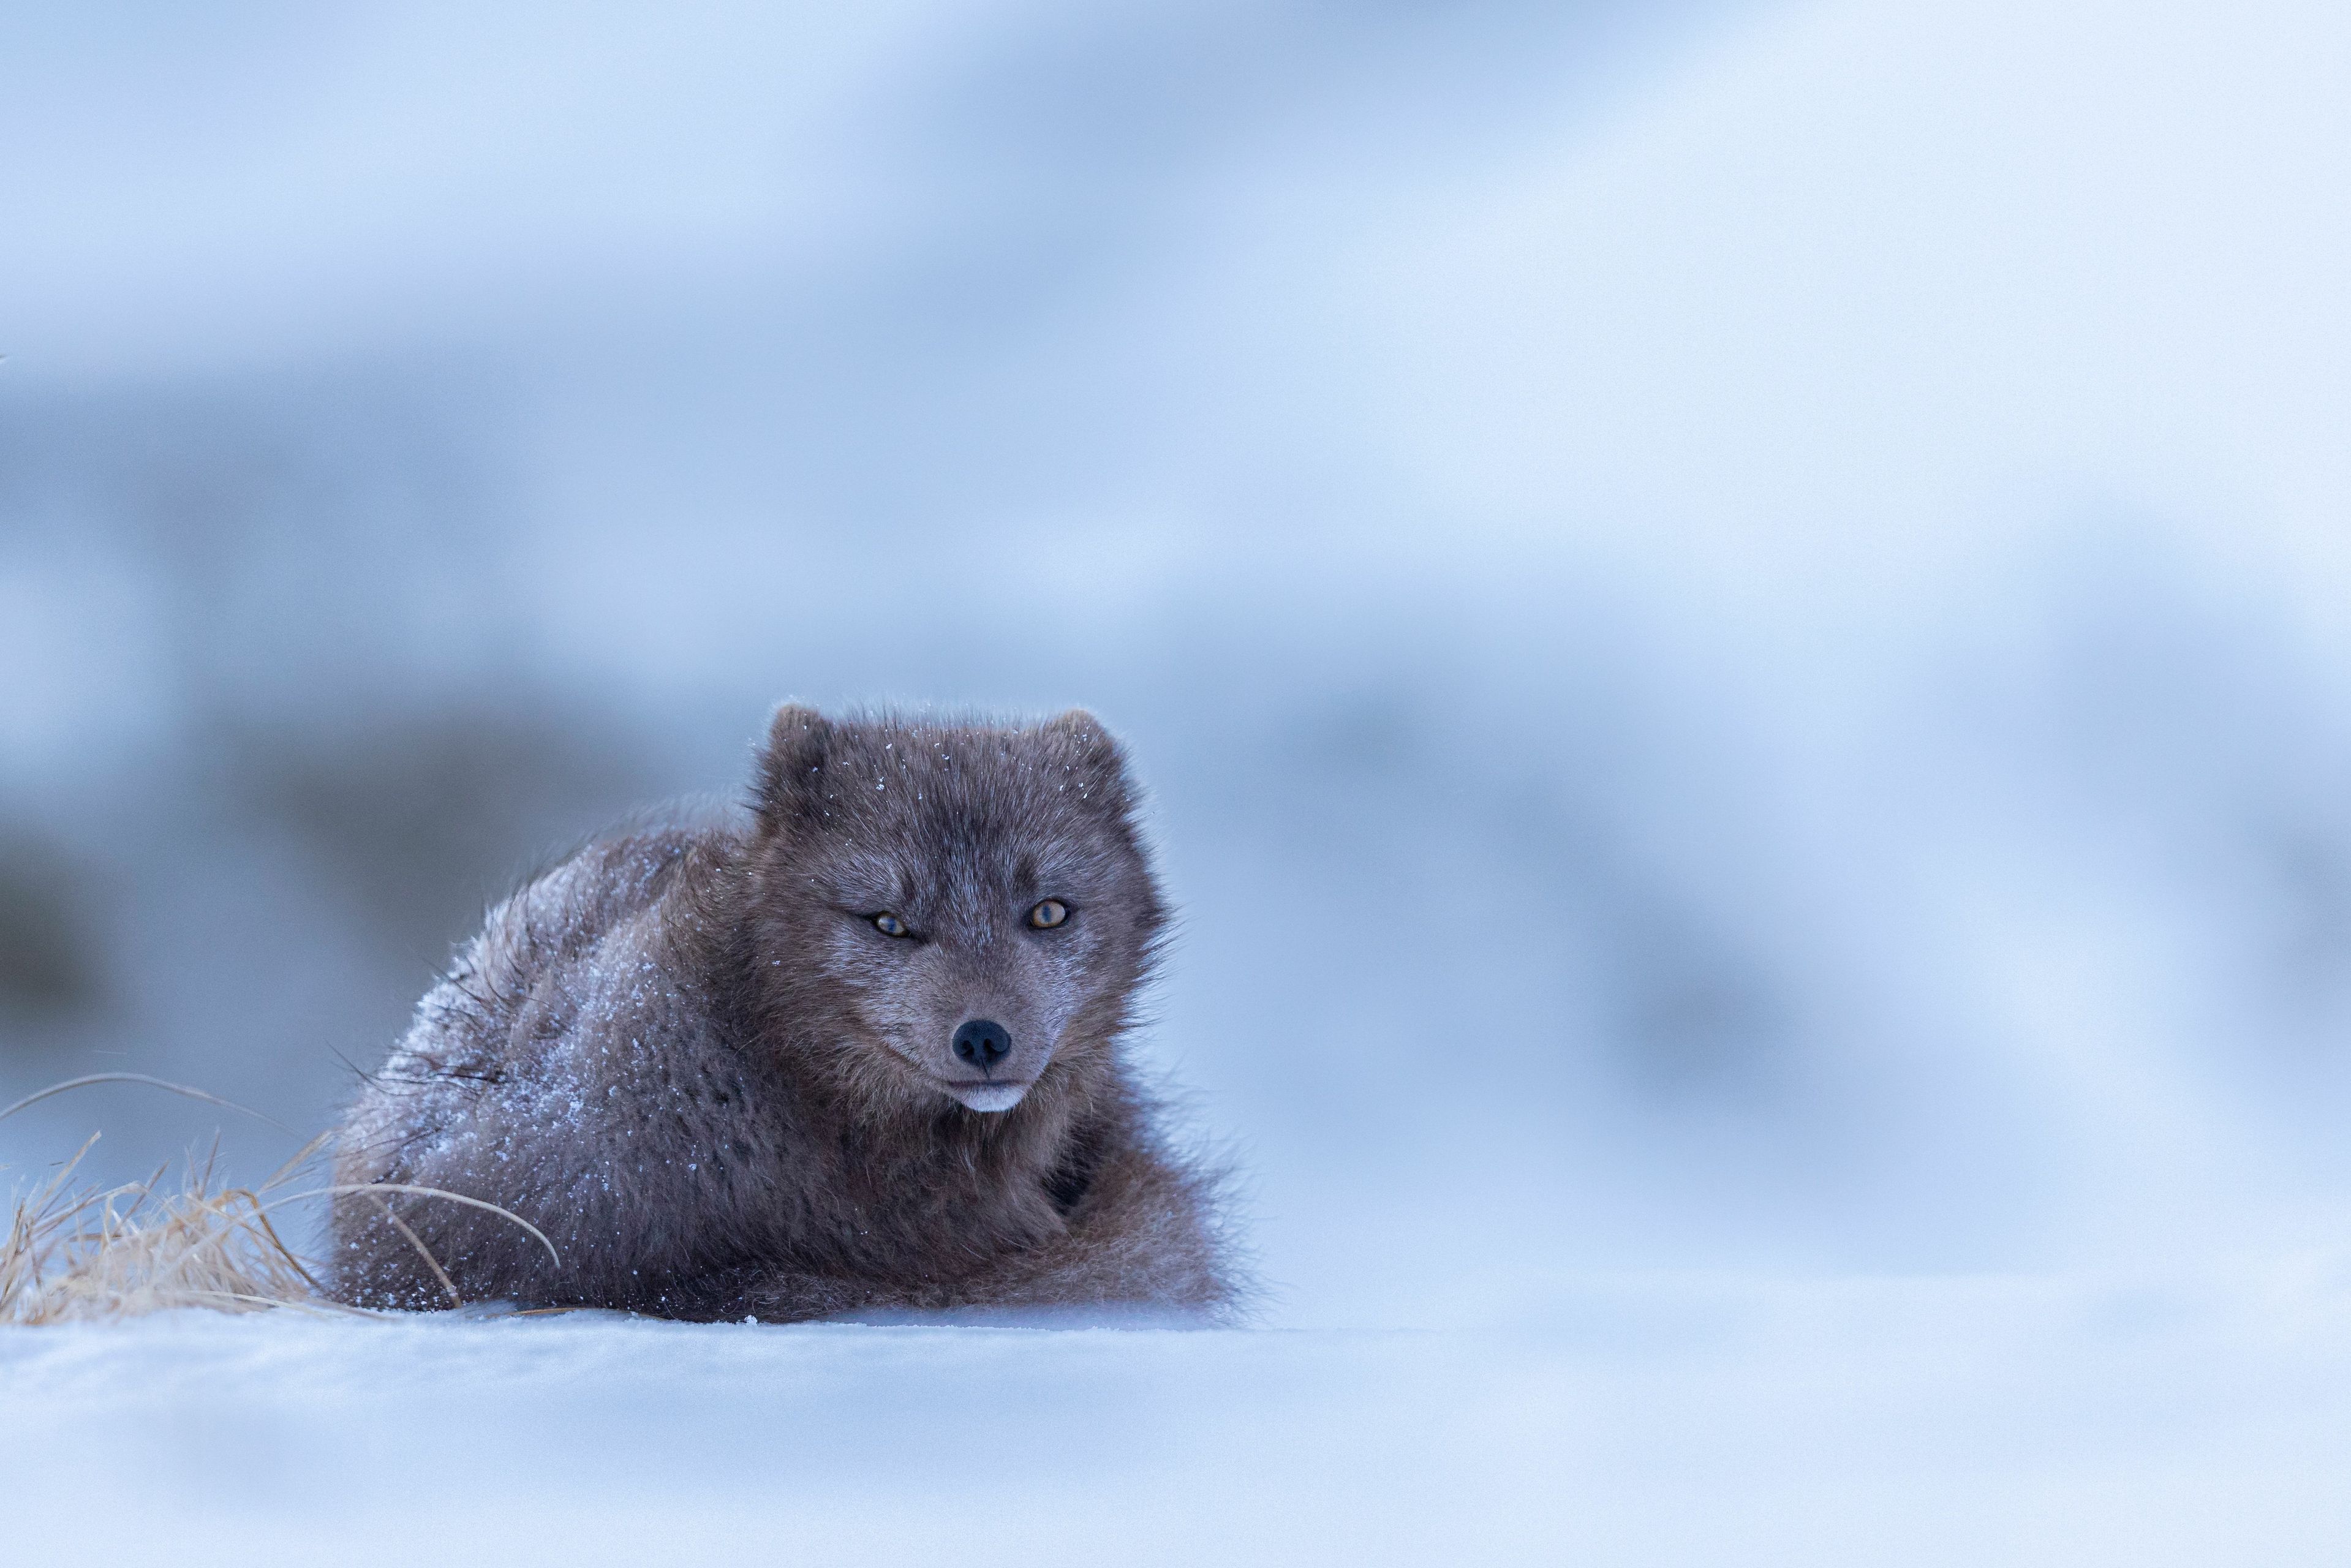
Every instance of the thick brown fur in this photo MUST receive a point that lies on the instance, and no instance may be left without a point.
(689, 1055)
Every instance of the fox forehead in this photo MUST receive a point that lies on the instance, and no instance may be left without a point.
(891, 875)
(880, 814)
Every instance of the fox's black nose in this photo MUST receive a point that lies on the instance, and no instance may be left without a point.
(983, 1042)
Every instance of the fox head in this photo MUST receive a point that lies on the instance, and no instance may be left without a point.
(947, 912)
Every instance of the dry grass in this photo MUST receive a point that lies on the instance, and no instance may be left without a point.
(76, 1254)
(111, 1252)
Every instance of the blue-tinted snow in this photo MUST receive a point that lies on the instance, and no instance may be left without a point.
(1954, 1422)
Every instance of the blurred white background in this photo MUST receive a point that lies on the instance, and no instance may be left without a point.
(1736, 614)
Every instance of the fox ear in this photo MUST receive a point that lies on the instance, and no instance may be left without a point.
(791, 764)
(1088, 751)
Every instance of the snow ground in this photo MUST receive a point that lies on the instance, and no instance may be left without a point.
(2193, 1420)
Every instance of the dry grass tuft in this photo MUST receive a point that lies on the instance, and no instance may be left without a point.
(72, 1255)
(141, 1248)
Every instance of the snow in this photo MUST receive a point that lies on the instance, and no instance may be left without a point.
(2194, 1419)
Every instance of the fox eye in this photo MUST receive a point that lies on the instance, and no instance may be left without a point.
(891, 925)
(1048, 915)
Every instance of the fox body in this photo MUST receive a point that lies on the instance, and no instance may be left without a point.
(861, 1050)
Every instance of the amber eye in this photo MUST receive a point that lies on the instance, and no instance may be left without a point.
(891, 925)
(1048, 915)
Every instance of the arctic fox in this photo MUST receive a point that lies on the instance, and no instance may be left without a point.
(861, 1050)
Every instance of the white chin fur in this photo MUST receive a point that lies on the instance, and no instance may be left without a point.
(989, 1096)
